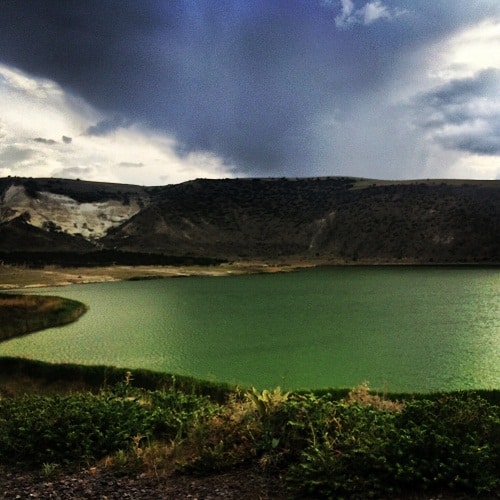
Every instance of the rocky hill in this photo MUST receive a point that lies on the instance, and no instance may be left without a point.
(337, 219)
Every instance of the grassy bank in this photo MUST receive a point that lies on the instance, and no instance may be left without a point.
(19, 376)
(352, 444)
(20, 314)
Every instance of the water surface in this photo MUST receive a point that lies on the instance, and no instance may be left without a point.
(399, 328)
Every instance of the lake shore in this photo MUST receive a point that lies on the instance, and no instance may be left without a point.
(22, 277)
(19, 277)
(22, 314)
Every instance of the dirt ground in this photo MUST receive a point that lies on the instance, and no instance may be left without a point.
(246, 483)
(16, 277)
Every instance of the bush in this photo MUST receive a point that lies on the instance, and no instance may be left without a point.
(357, 447)
(36, 429)
(448, 444)
(84, 427)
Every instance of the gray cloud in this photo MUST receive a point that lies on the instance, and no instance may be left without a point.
(108, 125)
(66, 139)
(474, 142)
(464, 114)
(251, 82)
(128, 164)
(12, 155)
(45, 141)
(73, 172)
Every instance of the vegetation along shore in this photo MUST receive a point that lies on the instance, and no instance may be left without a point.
(21, 314)
(163, 432)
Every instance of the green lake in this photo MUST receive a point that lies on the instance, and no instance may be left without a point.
(398, 328)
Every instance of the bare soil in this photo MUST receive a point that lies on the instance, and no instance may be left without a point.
(15, 277)
(245, 483)
(19, 277)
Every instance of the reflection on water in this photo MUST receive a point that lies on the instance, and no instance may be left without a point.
(399, 328)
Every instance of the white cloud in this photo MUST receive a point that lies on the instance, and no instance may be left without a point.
(438, 117)
(373, 11)
(457, 110)
(37, 116)
(30, 87)
(368, 14)
(472, 167)
(474, 49)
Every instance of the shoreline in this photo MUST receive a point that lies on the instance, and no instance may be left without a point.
(22, 314)
(24, 278)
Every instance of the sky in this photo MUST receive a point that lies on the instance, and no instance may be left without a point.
(156, 92)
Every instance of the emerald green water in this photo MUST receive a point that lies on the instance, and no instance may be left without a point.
(399, 328)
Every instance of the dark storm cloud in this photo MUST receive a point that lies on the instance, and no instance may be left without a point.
(244, 80)
(464, 114)
(451, 100)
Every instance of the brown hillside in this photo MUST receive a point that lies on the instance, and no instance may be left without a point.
(328, 217)
(331, 218)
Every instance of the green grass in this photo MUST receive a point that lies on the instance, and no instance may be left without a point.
(333, 444)
(21, 314)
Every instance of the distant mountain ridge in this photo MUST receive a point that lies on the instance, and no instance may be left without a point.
(337, 219)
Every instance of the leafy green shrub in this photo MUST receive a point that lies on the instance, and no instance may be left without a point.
(37, 430)
(448, 444)
(172, 414)
(291, 426)
(267, 402)
(81, 427)
(359, 446)
(453, 443)
(346, 454)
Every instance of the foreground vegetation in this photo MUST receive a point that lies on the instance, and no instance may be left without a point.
(20, 314)
(331, 444)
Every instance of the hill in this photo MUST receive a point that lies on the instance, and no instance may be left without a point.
(338, 219)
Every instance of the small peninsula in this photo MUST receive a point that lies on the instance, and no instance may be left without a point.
(21, 314)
